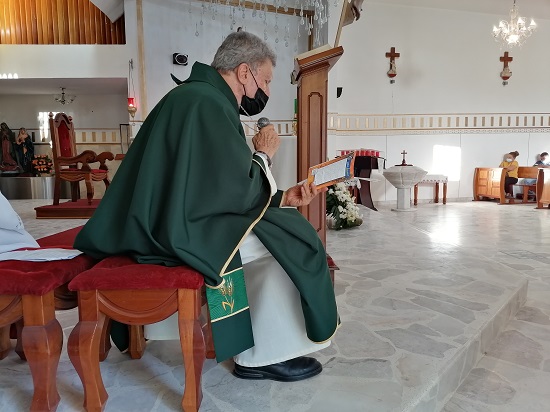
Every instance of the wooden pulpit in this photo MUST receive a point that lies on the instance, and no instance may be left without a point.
(311, 74)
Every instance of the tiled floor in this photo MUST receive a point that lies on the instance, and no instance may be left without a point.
(420, 296)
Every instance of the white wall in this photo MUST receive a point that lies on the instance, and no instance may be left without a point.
(88, 111)
(449, 64)
(170, 28)
(475, 150)
(64, 61)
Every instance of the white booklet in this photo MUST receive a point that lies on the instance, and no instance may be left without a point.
(333, 171)
(40, 255)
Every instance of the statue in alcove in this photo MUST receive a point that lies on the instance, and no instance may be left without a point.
(24, 151)
(8, 164)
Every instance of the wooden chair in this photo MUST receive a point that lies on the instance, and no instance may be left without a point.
(137, 294)
(72, 166)
(30, 292)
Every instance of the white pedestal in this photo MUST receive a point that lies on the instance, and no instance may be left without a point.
(404, 200)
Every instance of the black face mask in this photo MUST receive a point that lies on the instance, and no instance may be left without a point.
(251, 107)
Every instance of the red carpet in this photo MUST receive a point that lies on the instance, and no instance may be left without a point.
(68, 210)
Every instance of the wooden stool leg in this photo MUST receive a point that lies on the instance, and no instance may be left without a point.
(105, 341)
(137, 341)
(208, 339)
(416, 194)
(19, 346)
(436, 198)
(42, 341)
(445, 193)
(83, 349)
(192, 346)
(5, 343)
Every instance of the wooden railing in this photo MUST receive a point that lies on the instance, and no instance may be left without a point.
(57, 22)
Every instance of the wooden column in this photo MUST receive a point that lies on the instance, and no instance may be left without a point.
(311, 75)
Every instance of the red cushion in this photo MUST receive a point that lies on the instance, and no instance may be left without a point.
(124, 273)
(38, 278)
(62, 239)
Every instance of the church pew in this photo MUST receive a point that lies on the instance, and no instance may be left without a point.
(489, 183)
(543, 188)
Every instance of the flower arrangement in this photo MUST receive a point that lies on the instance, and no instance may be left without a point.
(341, 208)
(42, 164)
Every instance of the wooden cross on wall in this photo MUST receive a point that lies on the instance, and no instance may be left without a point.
(505, 59)
(392, 55)
(506, 73)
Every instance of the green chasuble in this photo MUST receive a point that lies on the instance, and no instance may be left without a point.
(188, 191)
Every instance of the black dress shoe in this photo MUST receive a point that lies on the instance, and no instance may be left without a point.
(289, 371)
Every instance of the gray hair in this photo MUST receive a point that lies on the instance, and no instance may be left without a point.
(242, 47)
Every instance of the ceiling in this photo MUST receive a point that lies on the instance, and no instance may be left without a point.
(72, 86)
(536, 9)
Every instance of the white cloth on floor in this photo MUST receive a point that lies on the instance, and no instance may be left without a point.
(277, 320)
(13, 235)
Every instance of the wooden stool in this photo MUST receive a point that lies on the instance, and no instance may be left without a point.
(136, 294)
(436, 180)
(29, 297)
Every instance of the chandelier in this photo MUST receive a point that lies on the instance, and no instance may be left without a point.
(63, 98)
(515, 31)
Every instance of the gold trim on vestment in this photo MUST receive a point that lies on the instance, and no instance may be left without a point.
(215, 287)
(334, 333)
(246, 233)
(235, 270)
(231, 314)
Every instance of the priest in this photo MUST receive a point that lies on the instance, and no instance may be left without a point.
(190, 191)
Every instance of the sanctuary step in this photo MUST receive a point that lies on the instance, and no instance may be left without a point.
(418, 312)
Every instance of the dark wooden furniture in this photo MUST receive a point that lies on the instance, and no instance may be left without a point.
(363, 168)
(311, 75)
(71, 166)
(489, 183)
(136, 297)
(543, 188)
(527, 173)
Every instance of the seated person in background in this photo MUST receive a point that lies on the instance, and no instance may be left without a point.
(12, 232)
(543, 161)
(511, 165)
